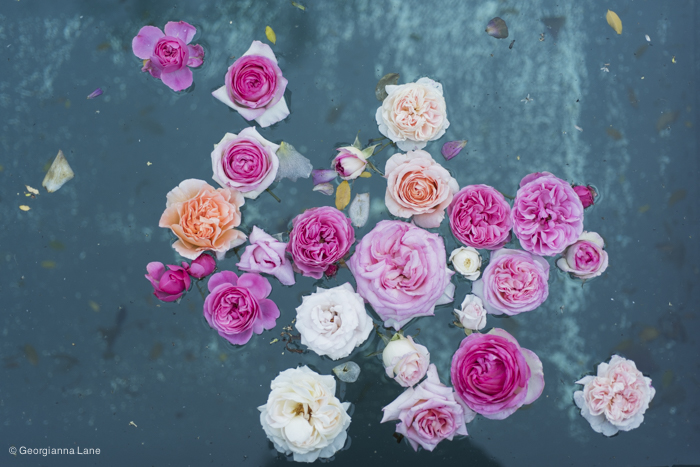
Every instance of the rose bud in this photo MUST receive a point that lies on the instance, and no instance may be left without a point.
(349, 163)
(405, 361)
(169, 285)
(587, 194)
(466, 261)
(202, 266)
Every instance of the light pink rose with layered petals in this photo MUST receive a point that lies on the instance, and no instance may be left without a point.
(480, 217)
(427, 414)
(405, 361)
(246, 162)
(586, 258)
(237, 307)
(514, 282)
(266, 254)
(472, 314)
(413, 114)
(203, 218)
(254, 86)
(168, 56)
(616, 398)
(349, 163)
(493, 376)
(418, 187)
(401, 270)
(547, 214)
(319, 237)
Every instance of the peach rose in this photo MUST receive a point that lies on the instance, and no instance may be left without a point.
(413, 114)
(418, 186)
(203, 218)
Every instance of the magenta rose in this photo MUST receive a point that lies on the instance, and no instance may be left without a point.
(586, 258)
(246, 162)
(514, 282)
(168, 285)
(586, 194)
(168, 56)
(401, 270)
(202, 266)
(547, 214)
(237, 307)
(480, 217)
(427, 414)
(319, 238)
(266, 254)
(254, 86)
(494, 376)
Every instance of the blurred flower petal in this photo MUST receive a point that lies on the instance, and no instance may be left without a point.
(59, 173)
(359, 210)
(451, 148)
(95, 93)
(325, 188)
(292, 164)
(323, 175)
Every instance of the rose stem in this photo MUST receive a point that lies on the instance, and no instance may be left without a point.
(273, 195)
(371, 166)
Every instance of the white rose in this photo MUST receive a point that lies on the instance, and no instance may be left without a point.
(333, 321)
(405, 361)
(303, 417)
(472, 315)
(467, 262)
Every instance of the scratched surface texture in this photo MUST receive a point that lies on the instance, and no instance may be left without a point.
(85, 348)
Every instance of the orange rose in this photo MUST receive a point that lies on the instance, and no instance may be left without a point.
(418, 186)
(203, 218)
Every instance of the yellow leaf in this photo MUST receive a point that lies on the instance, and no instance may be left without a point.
(298, 5)
(342, 195)
(24, 207)
(48, 264)
(270, 34)
(614, 21)
(365, 174)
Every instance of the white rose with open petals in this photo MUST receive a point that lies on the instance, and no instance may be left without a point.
(413, 114)
(333, 321)
(303, 417)
(467, 262)
(405, 361)
(472, 314)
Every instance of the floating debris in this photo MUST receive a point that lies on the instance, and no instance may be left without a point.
(133, 424)
(48, 264)
(342, 195)
(554, 24)
(497, 28)
(31, 190)
(380, 90)
(59, 173)
(24, 207)
(31, 354)
(347, 372)
(632, 97)
(97, 92)
(300, 6)
(359, 210)
(511, 44)
(666, 119)
(451, 148)
(541, 37)
(614, 133)
(646, 36)
(614, 21)
(270, 34)
(578, 128)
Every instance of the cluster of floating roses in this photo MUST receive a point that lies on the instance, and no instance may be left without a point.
(400, 268)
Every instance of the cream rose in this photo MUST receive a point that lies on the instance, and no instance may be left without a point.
(333, 321)
(472, 314)
(405, 361)
(413, 114)
(467, 262)
(303, 417)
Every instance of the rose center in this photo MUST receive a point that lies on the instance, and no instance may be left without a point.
(304, 410)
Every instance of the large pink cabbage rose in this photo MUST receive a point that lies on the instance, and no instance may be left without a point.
(401, 270)
(514, 282)
(547, 214)
(480, 217)
(494, 376)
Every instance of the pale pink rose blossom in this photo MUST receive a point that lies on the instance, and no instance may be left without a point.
(349, 163)
(472, 314)
(266, 254)
(405, 361)
(586, 258)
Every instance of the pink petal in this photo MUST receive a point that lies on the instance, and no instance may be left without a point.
(178, 80)
(262, 50)
(238, 339)
(268, 313)
(183, 31)
(257, 284)
(285, 274)
(223, 277)
(155, 269)
(274, 114)
(196, 55)
(144, 43)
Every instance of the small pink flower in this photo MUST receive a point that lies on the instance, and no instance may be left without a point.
(168, 56)
(168, 285)
(266, 254)
(480, 217)
(405, 361)
(587, 194)
(349, 163)
(586, 258)
(202, 266)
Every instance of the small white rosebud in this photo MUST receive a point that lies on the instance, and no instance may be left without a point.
(467, 262)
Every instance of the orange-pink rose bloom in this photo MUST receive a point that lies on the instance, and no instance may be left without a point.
(418, 186)
(203, 218)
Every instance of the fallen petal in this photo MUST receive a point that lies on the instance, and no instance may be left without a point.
(497, 28)
(31, 190)
(347, 372)
(270, 34)
(614, 21)
(325, 188)
(323, 175)
(342, 195)
(292, 164)
(359, 210)
(380, 91)
(24, 207)
(59, 173)
(300, 6)
(95, 93)
(451, 148)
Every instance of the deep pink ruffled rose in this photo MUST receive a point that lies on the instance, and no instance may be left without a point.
(266, 254)
(168, 56)
(254, 86)
(494, 376)
(427, 414)
(586, 258)
(237, 307)
(547, 214)
(170, 284)
(514, 282)
(401, 270)
(202, 266)
(480, 217)
(586, 194)
(319, 238)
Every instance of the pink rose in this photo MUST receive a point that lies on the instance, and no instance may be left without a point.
(319, 238)
(168, 56)
(514, 282)
(547, 214)
(401, 270)
(405, 361)
(586, 194)
(418, 186)
(427, 414)
(202, 266)
(266, 254)
(413, 114)
(586, 258)
(237, 307)
(254, 86)
(480, 217)
(168, 285)
(246, 162)
(494, 376)
(616, 398)
(349, 163)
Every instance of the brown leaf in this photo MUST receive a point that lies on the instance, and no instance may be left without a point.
(380, 91)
